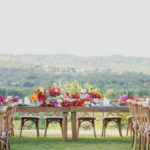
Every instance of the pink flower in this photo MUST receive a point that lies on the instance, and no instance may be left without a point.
(15, 99)
(58, 89)
(87, 98)
(92, 96)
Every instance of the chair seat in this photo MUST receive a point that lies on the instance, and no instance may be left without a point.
(112, 117)
(53, 117)
(29, 117)
(87, 117)
(129, 117)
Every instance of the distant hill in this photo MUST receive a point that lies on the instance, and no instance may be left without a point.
(114, 63)
(21, 74)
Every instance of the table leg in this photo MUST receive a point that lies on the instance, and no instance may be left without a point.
(64, 126)
(74, 126)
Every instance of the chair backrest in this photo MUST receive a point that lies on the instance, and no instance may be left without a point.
(9, 114)
(134, 108)
(146, 112)
(54, 113)
(30, 113)
(11, 109)
(2, 117)
(140, 113)
(14, 105)
(111, 113)
(85, 114)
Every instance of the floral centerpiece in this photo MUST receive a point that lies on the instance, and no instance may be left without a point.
(73, 90)
(54, 92)
(8, 100)
(78, 102)
(12, 99)
(71, 94)
(123, 100)
(50, 103)
(88, 88)
(96, 93)
(3, 100)
(39, 95)
(66, 103)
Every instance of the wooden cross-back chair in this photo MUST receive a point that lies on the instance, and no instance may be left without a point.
(141, 119)
(14, 106)
(109, 117)
(146, 127)
(135, 110)
(30, 116)
(3, 137)
(8, 125)
(129, 119)
(53, 117)
(86, 117)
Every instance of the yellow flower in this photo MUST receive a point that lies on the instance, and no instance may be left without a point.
(47, 103)
(34, 97)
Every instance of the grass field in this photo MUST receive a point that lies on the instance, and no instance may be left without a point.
(86, 141)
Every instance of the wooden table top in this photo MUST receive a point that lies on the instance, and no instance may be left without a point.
(73, 109)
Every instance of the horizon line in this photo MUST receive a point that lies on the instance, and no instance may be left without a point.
(42, 54)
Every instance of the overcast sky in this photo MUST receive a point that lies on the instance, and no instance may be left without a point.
(80, 27)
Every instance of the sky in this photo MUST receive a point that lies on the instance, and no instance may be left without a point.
(79, 27)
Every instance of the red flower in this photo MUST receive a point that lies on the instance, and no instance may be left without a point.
(77, 96)
(131, 97)
(53, 91)
(42, 97)
(99, 96)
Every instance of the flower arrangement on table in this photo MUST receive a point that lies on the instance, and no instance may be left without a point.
(66, 103)
(54, 92)
(39, 95)
(49, 103)
(8, 100)
(71, 94)
(12, 99)
(123, 99)
(3, 100)
(76, 102)
(73, 90)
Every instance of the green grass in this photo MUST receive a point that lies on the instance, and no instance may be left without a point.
(85, 142)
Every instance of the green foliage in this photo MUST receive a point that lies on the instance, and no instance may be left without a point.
(115, 75)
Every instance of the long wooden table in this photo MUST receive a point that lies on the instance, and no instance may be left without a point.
(73, 111)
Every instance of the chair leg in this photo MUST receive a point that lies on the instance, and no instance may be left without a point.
(22, 124)
(119, 127)
(103, 129)
(7, 143)
(127, 127)
(135, 140)
(12, 132)
(93, 124)
(105, 126)
(78, 127)
(61, 127)
(133, 136)
(147, 144)
(131, 130)
(1, 146)
(46, 127)
(142, 141)
(37, 128)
